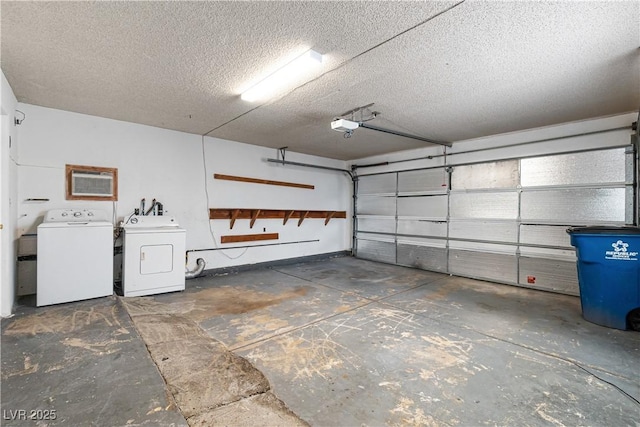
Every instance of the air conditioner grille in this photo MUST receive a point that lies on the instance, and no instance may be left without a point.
(92, 185)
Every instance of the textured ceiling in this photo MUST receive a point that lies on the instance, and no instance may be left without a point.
(442, 70)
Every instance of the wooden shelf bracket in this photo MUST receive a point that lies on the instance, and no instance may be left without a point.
(234, 216)
(287, 215)
(330, 214)
(303, 215)
(254, 216)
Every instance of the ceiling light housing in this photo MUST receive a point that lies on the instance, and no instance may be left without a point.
(342, 125)
(281, 78)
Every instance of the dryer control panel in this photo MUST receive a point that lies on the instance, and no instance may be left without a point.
(147, 221)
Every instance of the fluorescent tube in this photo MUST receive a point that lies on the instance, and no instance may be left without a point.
(280, 78)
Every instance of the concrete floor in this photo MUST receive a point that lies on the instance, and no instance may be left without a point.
(341, 342)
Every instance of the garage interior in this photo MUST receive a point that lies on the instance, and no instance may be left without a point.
(380, 240)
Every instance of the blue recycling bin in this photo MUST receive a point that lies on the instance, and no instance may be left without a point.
(608, 274)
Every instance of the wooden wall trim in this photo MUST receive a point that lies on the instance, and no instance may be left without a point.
(262, 181)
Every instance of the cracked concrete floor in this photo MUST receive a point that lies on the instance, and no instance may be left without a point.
(341, 342)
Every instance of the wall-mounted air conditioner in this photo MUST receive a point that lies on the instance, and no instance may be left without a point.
(91, 183)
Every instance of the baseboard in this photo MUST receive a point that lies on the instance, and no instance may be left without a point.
(276, 263)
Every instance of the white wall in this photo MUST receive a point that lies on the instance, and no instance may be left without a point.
(8, 195)
(168, 165)
(497, 150)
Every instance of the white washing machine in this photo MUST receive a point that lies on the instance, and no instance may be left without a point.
(75, 256)
(153, 256)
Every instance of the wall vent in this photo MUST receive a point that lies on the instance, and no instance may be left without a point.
(92, 184)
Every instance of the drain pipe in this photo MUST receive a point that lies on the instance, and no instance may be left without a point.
(198, 271)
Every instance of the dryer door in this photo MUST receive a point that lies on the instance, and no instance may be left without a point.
(156, 259)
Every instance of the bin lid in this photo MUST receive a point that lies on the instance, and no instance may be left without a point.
(604, 230)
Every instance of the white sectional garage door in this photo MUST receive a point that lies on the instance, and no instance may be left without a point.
(503, 221)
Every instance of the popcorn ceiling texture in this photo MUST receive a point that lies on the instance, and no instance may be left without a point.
(475, 69)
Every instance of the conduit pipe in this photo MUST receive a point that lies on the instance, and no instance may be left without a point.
(308, 165)
(251, 246)
(198, 271)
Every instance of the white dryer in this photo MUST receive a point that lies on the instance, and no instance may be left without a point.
(153, 256)
(75, 256)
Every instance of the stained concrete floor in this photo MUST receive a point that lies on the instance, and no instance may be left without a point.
(337, 342)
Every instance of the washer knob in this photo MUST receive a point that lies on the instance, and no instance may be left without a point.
(64, 214)
(89, 213)
(77, 214)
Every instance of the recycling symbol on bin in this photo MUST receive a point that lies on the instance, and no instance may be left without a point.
(620, 246)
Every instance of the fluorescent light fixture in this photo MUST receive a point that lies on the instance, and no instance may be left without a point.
(282, 77)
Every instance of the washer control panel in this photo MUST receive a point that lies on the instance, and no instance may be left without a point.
(75, 215)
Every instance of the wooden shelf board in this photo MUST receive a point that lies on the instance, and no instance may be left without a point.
(236, 238)
(233, 214)
(262, 181)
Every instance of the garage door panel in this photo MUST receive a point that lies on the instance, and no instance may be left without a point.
(423, 257)
(429, 180)
(420, 227)
(377, 225)
(434, 207)
(503, 174)
(549, 235)
(377, 184)
(483, 265)
(594, 167)
(629, 205)
(485, 205)
(377, 250)
(550, 274)
(574, 206)
(497, 231)
(376, 205)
